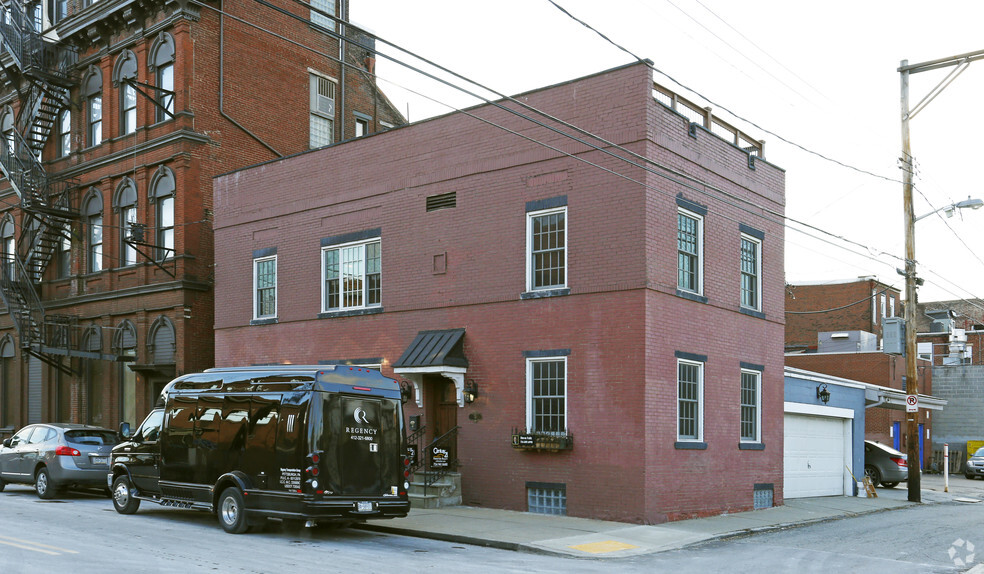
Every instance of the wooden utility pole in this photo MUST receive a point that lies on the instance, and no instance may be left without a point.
(960, 63)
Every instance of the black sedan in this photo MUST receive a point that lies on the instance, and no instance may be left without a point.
(52, 456)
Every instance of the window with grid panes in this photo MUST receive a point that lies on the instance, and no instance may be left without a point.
(547, 407)
(265, 287)
(689, 400)
(352, 276)
(688, 252)
(750, 405)
(327, 6)
(322, 130)
(546, 500)
(548, 249)
(750, 272)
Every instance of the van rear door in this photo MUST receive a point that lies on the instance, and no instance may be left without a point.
(362, 442)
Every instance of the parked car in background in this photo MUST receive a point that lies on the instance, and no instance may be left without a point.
(885, 465)
(53, 456)
(975, 464)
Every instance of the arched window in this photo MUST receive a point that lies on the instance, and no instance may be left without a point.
(162, 188)
(126, 69)
(7, 129)
(125, 203)
(160, 62)
(160, 341)
(7, 239)
(93, 211)
(65, 132)
(125, 338)
(92, 96)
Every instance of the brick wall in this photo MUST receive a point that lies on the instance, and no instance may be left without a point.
(620, 326)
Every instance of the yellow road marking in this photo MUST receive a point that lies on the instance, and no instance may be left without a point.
(36, 546)
(602, 547)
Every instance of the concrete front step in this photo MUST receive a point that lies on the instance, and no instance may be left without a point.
(444, 492)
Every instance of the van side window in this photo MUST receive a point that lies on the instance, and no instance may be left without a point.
(150, 429)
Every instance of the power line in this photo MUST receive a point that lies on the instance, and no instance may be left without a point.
(842, 307)
(780, 216)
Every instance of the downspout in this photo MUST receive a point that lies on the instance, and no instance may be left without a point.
(222, 84)
(343, 10)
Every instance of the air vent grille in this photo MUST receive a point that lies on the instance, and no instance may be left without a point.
(442, 201)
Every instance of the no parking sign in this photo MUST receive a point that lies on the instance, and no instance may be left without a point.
(912, 403)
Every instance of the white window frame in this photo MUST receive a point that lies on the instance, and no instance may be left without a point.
(256, 300)
(530, 216)
(530, 414)
(699, 254)
(365, 283)
(758, 272)
(699, 423)
(758, 405)
(321, 107)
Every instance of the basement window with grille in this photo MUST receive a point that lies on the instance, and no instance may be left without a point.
(442, 201)
(547, 498)
(763, 495)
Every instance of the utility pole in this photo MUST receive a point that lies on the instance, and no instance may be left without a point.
(911, 378)
(959, 63)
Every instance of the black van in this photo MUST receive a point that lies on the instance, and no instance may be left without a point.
(309, 443)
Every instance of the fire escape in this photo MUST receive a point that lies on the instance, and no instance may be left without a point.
(40, 71)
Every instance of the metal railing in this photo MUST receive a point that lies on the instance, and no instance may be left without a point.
(703, 117)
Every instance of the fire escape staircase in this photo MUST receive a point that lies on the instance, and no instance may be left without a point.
(40, 71)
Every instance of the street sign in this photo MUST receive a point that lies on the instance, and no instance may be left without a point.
(912, 403)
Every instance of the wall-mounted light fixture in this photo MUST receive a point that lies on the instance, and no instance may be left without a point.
(470, 392)
(822, 393)
(406, 392)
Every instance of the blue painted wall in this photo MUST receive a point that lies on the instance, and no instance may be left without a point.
(798, 390)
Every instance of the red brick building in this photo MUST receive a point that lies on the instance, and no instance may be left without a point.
(617, 324)
(115, 118)
(852, 305)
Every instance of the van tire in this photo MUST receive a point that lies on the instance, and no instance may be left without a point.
(43, 485)
(123, 499)
(3, 484)
(231, 511)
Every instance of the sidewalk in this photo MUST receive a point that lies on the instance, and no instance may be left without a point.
(586, 538)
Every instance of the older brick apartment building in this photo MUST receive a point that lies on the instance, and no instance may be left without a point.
(835, 328)
(590, 336)
(115, 117)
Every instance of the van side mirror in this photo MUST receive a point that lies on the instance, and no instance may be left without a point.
(125, 430)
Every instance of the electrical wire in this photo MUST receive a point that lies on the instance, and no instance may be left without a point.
(399, 62)
(842, 307)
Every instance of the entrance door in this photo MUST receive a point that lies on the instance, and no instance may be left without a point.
(442, 414)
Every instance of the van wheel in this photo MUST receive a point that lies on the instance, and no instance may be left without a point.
(232, 511)
(43, 486)
(124, 500)
(2, 485)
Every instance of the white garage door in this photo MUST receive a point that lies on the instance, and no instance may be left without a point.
(813, 456)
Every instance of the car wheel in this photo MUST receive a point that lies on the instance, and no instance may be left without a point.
(967, 476)
(232, 511)
(3, 485)
(124, 500)
(872, 473)
(890, 484)
(43, 485)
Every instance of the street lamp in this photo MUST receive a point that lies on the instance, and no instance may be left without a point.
(949, 209)
(959, 64)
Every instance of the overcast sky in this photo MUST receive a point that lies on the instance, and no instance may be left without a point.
(821, 75)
